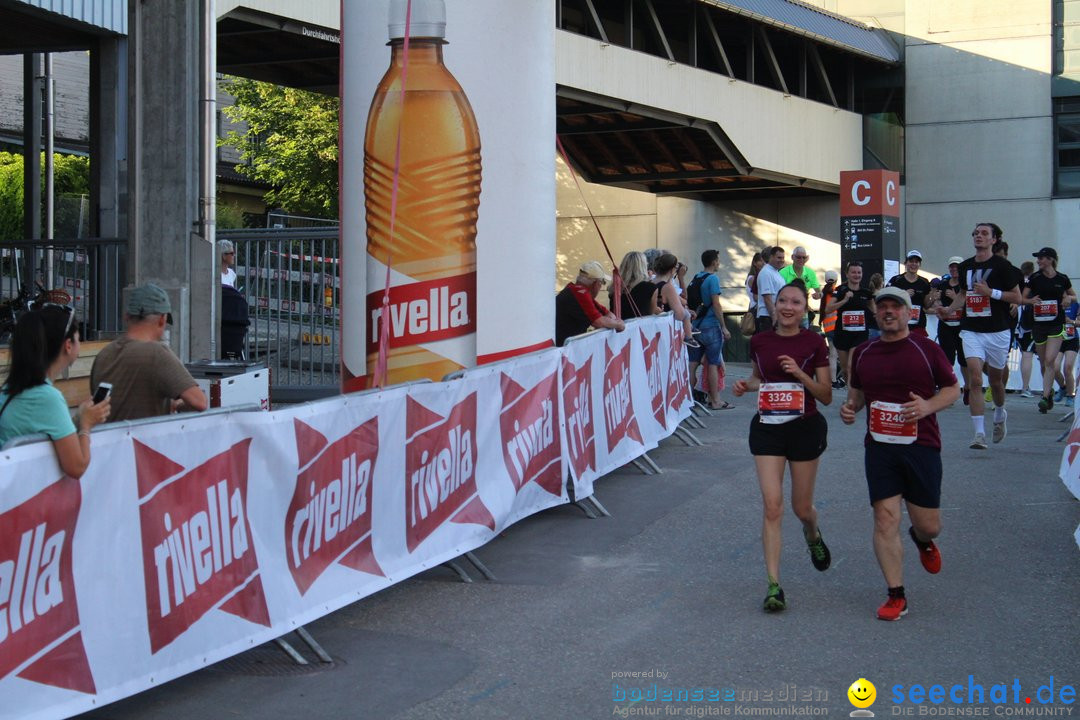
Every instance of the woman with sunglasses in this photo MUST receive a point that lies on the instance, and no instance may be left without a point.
(45, 343)
(791, 375)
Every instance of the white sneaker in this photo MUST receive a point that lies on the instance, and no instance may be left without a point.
(1026, 394)
(979, 443)
(1000, 431)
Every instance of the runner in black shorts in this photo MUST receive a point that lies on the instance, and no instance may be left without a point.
(791, 375)
(903, 379)
(1067, 356)
(852, 305)
(1022, 333)
(1048, 293)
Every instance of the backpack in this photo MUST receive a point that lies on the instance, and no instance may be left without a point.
(693, 292)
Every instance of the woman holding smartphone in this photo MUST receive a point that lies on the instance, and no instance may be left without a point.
(790, 375)
(44, 344)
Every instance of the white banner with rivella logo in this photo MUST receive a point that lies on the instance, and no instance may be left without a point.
(1070, 463)
(622, 393)
(196, 538)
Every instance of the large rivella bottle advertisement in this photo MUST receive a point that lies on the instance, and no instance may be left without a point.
(432, 251)
(435, 126)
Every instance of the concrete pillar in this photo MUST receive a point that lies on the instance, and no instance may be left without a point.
(164, 74)
(108, 170)
(108, 138)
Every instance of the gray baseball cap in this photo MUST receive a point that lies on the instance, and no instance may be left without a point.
(149, 299)
(894, 293)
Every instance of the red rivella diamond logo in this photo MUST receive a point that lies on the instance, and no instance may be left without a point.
(1073, 445)
(577, 403)
(655, 376)
(678, 371)
(440, 470)
(329, 518)
(39, 615)
(618, 398)
(197, 553)
(530, 441)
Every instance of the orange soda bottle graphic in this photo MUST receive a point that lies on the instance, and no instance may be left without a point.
(432, 253)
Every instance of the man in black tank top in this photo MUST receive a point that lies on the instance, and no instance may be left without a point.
(988, 284)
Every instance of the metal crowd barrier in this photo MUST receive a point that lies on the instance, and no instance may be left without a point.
(90, 271)
(290, 278)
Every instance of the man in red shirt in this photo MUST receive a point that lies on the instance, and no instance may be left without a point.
(903, 379)
(576, 309)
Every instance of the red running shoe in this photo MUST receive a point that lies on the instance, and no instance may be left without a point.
(893, 609)
(929, 555)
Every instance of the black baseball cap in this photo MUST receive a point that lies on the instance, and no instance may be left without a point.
(1046, 252)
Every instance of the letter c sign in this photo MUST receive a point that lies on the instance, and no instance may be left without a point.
(856, 195)
(890, 190)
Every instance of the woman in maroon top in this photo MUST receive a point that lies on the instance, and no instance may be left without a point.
(791, 375)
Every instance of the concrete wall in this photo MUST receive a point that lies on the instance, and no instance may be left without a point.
(633, 220)
(979, 128)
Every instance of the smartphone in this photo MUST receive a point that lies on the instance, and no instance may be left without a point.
(103, 391)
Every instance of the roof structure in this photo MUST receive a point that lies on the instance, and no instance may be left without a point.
(820, 25)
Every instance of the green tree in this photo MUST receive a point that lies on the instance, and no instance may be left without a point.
(290, 143)
(71, 179)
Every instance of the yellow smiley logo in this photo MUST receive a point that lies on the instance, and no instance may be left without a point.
(862, 693)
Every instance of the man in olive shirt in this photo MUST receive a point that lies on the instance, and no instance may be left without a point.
(147, 378)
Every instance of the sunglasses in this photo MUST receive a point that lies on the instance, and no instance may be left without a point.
(800, 257)
(70, 311)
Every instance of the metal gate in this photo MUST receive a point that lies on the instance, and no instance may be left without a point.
(291, 281)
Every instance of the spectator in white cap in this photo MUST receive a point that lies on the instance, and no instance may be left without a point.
(228, 259)
(147, 378)
(576, 308)
(918, 289)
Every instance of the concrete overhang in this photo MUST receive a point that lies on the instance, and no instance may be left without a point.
(634, 120)
(26, 28)
(278, 49)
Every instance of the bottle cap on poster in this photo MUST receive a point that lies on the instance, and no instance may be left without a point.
(428, 19)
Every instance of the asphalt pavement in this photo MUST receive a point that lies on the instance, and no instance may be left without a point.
(626, 616)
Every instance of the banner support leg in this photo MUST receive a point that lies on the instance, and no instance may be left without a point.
(291, 651)
(314, 645)
(452, 564)
(586, 508)
(599, 508)
(471, 557)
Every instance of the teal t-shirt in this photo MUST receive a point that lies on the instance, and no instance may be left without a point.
(40, 409)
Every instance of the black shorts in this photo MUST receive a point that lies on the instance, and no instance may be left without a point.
(763, 323)
(1071, 345)
(912, 471)
(799, 440)
(1044, 331)
(1025, 341)
(850, 340)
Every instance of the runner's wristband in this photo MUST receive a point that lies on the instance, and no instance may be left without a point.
(996, 294)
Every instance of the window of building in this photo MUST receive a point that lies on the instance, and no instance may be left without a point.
(1067, 146)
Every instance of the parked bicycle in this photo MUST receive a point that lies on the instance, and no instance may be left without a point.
(12, 309)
